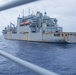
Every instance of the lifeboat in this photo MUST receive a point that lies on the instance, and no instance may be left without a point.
(24, 23)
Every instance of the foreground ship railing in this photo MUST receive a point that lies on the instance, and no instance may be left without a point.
(35, 68)
(15, 3)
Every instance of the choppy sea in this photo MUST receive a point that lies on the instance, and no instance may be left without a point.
(59, 58)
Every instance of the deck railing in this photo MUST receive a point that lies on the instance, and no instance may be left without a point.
(33, 67)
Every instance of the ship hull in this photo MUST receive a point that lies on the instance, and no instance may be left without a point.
(43, 37)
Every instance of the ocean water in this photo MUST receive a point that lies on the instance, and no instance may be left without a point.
(59, 58)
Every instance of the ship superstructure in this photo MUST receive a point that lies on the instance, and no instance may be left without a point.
(38, 27)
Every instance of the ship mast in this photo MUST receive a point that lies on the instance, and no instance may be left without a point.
(29, 11)
(23, 13)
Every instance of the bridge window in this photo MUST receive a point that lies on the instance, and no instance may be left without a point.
(56, 34)
(65, 34)
(62, 34)
(70, 34)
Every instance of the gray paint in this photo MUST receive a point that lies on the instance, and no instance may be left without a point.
(41, 28)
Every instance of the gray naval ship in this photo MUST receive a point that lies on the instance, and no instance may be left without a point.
(38, 27)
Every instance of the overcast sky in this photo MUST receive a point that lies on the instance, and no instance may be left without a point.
(63, 10)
